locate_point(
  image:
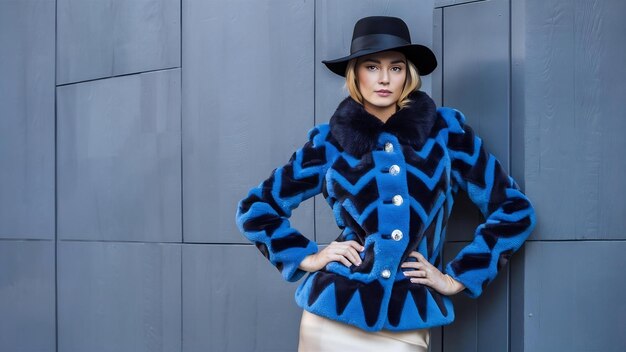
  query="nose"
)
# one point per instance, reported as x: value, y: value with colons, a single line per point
x: 383, y: 77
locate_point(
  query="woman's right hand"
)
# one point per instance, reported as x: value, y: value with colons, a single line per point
x: 346, y: 253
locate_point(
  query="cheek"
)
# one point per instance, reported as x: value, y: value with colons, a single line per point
x: 364, y: 78
x: 400, y: 81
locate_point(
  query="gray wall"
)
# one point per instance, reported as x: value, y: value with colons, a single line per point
x: 569, y: 86
x: 542, y: 82
x: 27, y: 182
x: 129, y: 131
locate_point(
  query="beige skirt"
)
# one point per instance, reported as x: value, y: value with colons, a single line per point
x: 319, y: 334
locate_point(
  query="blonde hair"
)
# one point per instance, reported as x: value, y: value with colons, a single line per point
x: 411, y: 84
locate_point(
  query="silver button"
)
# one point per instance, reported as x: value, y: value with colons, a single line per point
x: 397, y: 200
x: 396, y: 235
x: 388, y: 147
x: 394, y: 170
x: 386, y: 274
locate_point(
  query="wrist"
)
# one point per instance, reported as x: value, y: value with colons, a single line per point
x: 454, y: 285
x: 308, y: 263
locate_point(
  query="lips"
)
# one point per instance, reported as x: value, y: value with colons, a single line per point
x: 383, y: 93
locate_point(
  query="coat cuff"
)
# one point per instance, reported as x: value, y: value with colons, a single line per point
x: 290, y: 267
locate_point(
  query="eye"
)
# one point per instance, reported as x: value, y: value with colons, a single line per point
x: 371, y: 67
x: 396, y: 68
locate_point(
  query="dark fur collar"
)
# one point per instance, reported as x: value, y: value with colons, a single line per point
x: 357, y: 130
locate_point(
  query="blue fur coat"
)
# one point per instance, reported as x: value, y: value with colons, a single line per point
x: 391, y: 187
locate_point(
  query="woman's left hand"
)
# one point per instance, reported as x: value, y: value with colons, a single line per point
x: 427, y: 274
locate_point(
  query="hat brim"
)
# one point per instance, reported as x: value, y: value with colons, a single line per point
x: 421, y: 56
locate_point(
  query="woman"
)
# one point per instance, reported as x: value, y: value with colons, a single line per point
x: 389, y: 164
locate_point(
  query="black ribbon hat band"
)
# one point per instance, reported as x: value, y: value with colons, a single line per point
x: 381, y: 33
x: 373, y: 41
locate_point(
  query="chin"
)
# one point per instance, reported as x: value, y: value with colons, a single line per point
x: 384, y: 104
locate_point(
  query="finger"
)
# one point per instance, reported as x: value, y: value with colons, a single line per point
x: 355, y: 245
x: 354, y: 256
x: 410, y: 265
x: 350, y: 254
x: 422, y: 281
x: 418, y: 256
x: 415, y: 273
x: 336, y: 248
x: 339, y: 247
x: 343, y: 260
x: 415, y: 265
x: 350, y: 250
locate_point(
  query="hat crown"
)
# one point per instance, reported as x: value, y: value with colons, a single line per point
x: 381, y: 25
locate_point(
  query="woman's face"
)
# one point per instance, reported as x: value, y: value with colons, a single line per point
x: 380, y: 79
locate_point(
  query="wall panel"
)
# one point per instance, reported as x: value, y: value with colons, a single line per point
x: 121, y: 297
x: 573, y: 297
x: 27, y: 296
x: 575, y: 74
x: 118, y: 150
x: 105, y: 38
x: 477, y: 61
x: 27, y: 119
x: 235, y: 300
x: 476, y: 81
x: 247, y: 106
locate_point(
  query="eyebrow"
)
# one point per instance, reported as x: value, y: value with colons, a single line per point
x: 378, y: 62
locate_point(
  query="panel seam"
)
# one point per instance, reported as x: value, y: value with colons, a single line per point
x: 56, y: 198
x: 117, y: 76
x: 182, y: 223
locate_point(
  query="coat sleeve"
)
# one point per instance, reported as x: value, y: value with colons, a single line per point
x: 509, y: 215
x: 263, y: 216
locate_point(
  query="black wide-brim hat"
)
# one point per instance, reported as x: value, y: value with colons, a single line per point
x: 381, y: 33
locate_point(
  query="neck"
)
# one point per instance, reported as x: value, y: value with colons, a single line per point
x: 382, y: 113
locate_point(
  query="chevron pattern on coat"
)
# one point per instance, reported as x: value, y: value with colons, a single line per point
x: 264, y: 214
x: 391, y: 187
